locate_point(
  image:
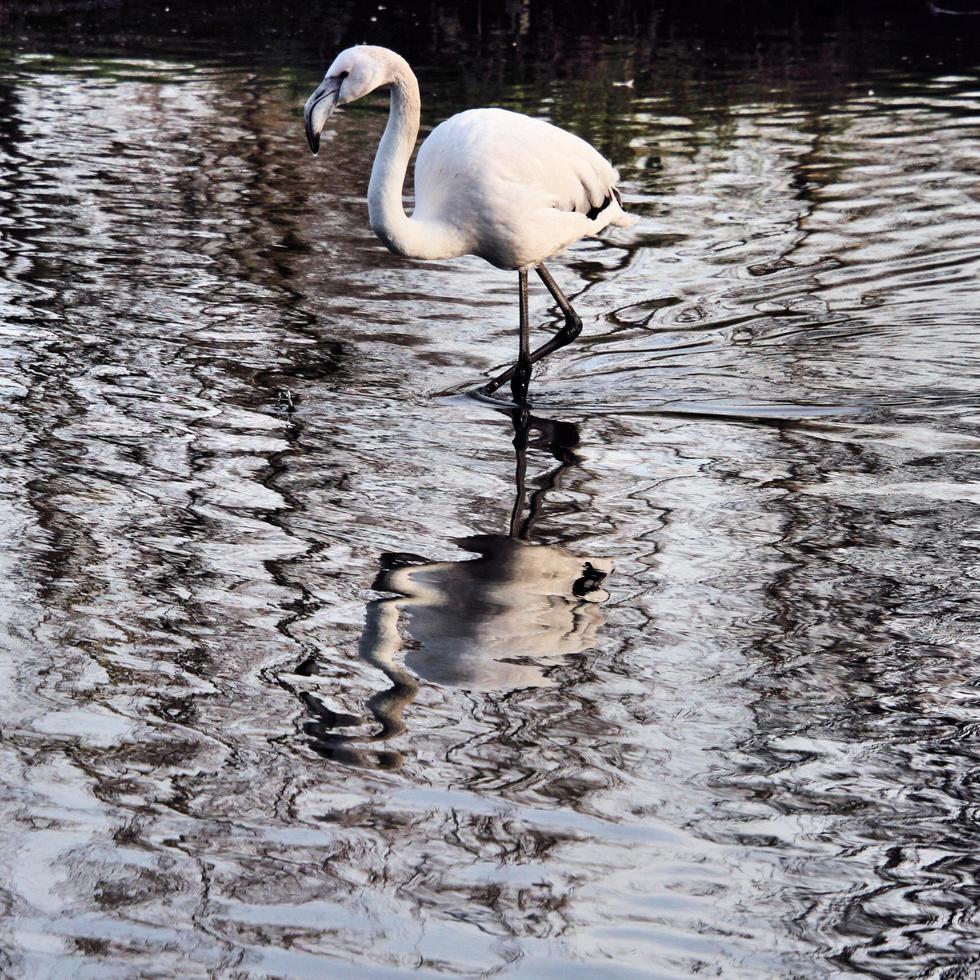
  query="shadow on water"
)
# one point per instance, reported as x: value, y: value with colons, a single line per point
x: 496, y: 622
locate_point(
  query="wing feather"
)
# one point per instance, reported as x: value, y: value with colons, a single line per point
x: 506, y: 175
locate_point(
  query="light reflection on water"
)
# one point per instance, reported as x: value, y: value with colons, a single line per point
x: 224, y: 750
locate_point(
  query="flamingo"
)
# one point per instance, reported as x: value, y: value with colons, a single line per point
x: 489, y: 182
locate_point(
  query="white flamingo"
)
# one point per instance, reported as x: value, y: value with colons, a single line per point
x: 489, y: 182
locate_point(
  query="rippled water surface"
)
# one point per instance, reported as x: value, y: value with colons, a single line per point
x: 280, y: 694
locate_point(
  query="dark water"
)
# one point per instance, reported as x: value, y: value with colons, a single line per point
x: 280, y: 696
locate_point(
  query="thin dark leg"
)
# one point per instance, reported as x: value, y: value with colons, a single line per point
x: 560, y: 298
x: 521, y: 371
x: 572, y: 328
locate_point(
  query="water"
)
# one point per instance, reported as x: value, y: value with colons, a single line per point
x: 282, y: 697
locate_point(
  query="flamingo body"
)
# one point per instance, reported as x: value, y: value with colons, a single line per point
x: 517, y: 189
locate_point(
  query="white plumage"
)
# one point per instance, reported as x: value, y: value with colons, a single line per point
x: 501, y: 185
x: 518, y: 189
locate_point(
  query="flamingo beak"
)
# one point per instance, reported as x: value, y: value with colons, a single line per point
x: 318, y: 109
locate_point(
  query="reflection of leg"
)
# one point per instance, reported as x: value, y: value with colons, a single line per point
x: 522, y: 420
x: 550, y: 481
x: 571, y: 329
x: 560, y: 440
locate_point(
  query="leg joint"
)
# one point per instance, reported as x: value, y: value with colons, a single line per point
x: 573, y: 326
x: 521, y: 380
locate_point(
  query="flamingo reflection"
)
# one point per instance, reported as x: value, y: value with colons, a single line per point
x: 494, y: 622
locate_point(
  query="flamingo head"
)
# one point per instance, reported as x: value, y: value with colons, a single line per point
x: 353, y: 74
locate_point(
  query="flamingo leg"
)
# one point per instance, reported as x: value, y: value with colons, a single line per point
x: 521, y: 371
x: 571, y: 329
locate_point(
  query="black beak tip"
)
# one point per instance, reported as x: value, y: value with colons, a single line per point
x: 313, y: 139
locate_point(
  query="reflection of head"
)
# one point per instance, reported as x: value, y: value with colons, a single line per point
x: 495, y: 621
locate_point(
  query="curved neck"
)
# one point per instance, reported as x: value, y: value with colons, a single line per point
x: 388, y: 218
x: 407, y: 236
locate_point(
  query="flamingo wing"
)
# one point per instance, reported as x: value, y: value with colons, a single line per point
x: 521, y: 188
